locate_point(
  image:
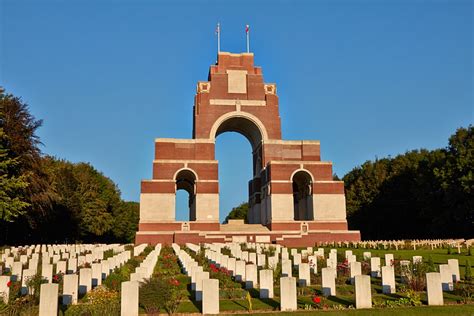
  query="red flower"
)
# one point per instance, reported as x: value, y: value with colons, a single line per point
x: 9, y: 283
x: 174, y: 282
x: 316, y: 299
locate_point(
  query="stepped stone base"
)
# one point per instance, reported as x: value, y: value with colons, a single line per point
x: 236, y: 231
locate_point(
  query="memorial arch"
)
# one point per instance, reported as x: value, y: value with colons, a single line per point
x: 293, y: 199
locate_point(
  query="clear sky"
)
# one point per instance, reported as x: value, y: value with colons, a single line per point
x: 367, y: 78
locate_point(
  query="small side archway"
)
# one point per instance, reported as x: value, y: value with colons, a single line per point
x: 185, y: 179
x: 302, y: 195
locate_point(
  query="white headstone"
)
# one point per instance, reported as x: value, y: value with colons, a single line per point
x: 47, y: 272
x: 388, y: 279
x: 70, y: 289
x: 210, y: 297
x: 304, y: 276
x: 201, y: 279
x: 288, y: 294
x: 434, y: 289
x: 286, y: 268
x: 454, y: 264
x: 251, y: 277
x: 266, y: 283
x: 446, y: 277
x: 85, y: 280
x: 356, y: 269
x: 363, y: 291
x: 48, y: 299
x: 4, y: 288
x: 375, y: 267
x: 129, y: 299
x: 328, y: 281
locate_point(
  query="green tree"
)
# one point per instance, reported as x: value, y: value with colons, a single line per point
x: 239, y: 212
x: 22, y: 145
x: 11, y: 203
x: 126, y: 221
x: 394, y: 197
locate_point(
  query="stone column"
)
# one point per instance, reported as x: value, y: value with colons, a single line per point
x: 434, y: 288
x: 328, y: 281
x: 251, y: 278
x: 363, y: 291
x: 48, y: 299
x: 70, y: 286
x: 288, y: 294
x: 304, y: 277
x: 210, y: 297
x: 266, y: 283
x: 129, y: 299
x: 388, y: 280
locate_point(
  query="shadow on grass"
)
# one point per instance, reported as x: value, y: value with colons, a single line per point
x: 341, y: 301
x: 270, y: 302
x: 197, y: 304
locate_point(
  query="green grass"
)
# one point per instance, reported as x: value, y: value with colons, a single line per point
x: 439, y: 256
x: 458, y: 310
x: 272, y: 305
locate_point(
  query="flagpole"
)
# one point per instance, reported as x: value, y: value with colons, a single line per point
x: 248, y: 38
x: 218, y: 38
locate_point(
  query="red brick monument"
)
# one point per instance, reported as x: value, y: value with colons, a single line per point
x: 293, y: 199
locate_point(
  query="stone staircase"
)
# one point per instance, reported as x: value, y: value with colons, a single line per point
x: 238, y: 225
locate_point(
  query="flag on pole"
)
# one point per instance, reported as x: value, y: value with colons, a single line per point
x: 247, y: 29
x: 218, y: 29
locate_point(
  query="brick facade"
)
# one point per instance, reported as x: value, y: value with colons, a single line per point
x: 291, y: 185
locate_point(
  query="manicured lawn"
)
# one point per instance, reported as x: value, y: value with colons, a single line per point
x: 458, y: 310
x: 439, y: 256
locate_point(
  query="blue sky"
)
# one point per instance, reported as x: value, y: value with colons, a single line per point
x: 366, y: 78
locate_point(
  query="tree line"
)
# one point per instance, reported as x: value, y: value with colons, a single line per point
x: 419, y: 194
x: 44, y: 199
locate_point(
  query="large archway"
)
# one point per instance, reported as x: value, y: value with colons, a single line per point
x: 241, y: 190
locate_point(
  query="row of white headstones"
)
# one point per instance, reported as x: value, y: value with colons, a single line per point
x: 70, y: 261
x: 248, y: 267
x: 404, y: 244
x: 245, y: 266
